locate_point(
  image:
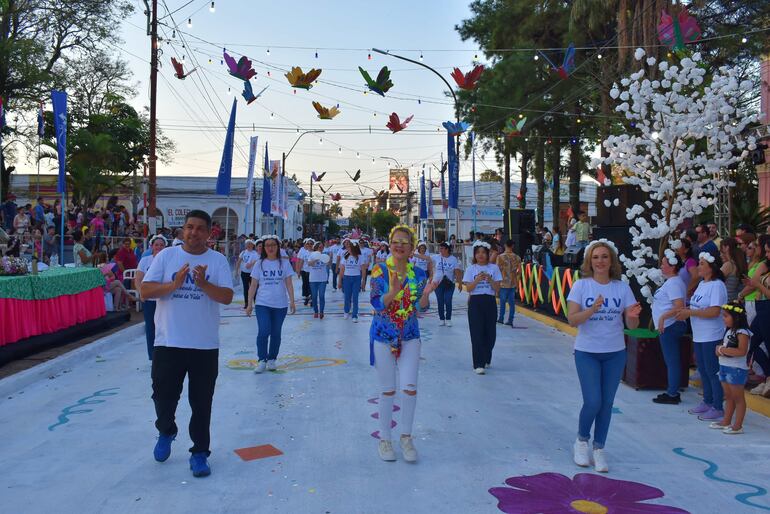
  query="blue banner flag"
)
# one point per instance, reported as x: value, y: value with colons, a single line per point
x: 59, y: 101
x: 453, y: 172
x: 40, y: 121
x: 430, y: 194
x: 226, y: 166
x: 266, y: 196
x: 423, y: 204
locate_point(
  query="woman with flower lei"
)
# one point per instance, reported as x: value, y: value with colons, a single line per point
x: 597, y: 304
x: 398, y: 290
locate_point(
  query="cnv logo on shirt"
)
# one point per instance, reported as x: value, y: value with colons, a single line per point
x: 189, y: 278
x: 272, y: 273
x: 617, y: 302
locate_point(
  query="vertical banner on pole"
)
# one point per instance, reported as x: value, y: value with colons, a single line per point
x: 266, y: 193
x: 59, y: 102
x: 453, y: 172
x: 250, y: 179
x: 226, y: 166
x: 423, y: 202
x: 430, y: 194
x: 285, y: 197
x: 277, y: 194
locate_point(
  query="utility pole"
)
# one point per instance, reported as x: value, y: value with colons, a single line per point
x: 153, y: 102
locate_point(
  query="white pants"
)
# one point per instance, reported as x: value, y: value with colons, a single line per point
x: 408, y: 365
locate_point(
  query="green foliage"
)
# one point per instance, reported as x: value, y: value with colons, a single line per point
x: 383, y: 221
x: 361, y: 217
x: 490, y: 176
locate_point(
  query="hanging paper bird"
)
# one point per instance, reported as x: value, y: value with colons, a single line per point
x: 383, y: 82
x: 242, y: 69
x: 675, y: 33
x: 336, y: 197
x: 355, y: 177
x: 512, y: 129
x: 568, y: 66
x: 317, y: 178
x: 470, y: 79
x: 248, y: 92
x: 455, y: 129
x: 324, y: 191
x: 396, y: 125
x: 302, y: 80
x: 326, y: 113
x: 179, y: 69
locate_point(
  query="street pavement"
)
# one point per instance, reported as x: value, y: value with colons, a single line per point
x: 77, y: 433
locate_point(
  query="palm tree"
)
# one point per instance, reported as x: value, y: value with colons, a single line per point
x: 335, y: 210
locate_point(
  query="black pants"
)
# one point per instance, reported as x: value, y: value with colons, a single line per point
x: 305, y: 284
x: 246, y: 279
x: 334, y: 277
x: 482, y: 316
x: 760, y: 329
x: 169, y: 367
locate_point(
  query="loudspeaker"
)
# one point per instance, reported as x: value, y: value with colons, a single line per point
x: 522, y: 243
x: 615, y: 215
x: 517, y: 221
x: 573, y: 256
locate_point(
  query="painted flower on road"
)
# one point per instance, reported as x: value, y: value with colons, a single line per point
x: 551, y: 493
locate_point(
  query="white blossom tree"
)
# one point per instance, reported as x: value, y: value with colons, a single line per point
x: 685, y: 133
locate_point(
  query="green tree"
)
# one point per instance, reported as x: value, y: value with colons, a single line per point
x: 490, y: 176
x: 334, y: 210
x: 383, y: 222
x: 361, y: 217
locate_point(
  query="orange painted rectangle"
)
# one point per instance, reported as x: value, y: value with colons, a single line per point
x: 258, y: 452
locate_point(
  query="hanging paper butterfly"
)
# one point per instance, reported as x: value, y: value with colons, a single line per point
x: 675, y: 33
x: 455, y: 129
x: 317, y: 178
x: 302, y: 80
x: 567, y: 66
x: 336, y: 197
x: 242, y: 69
x: 355, y: 177
x: 383, y: 82
x: 470, y: 79
x: 324, y: 191
x: 325, y: 113
x: 396, y: 125
x: 512, y: 129
x: 179, y: 69
x: 248, y: 92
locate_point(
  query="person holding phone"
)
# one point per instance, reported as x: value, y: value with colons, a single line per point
x: 482, y: 281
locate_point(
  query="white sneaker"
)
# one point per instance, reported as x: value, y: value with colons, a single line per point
x: 408, y: 449
x: 760, y: 389
x: 271, y: 365
x: 386, y: 451
x: 582, y: 454
x: 449, y: 322
x: 346, y: 316
x: 487, y: 366
x: 441, y: 323
x: 355, y: 320
x: 600, y: 460
x: 261, y: 365
x: 479, y: 371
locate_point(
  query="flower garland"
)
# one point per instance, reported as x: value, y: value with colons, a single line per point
x: 402, y: 307
x: 13, y: 266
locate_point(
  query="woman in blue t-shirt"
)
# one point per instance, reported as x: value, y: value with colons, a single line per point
x: 597, y: 304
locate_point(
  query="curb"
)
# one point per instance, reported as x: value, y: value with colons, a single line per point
x: 23, y: 379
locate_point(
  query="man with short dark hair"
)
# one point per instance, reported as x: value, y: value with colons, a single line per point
x: 705, y: 244
x: 714, y: 235
x: 189, y: 282
x: 49, y: 243
x: 509, y: 263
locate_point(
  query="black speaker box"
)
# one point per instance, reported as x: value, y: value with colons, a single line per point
x: 517, y: 221
x: 573, y: 256
x: 615, y: 216
x: 522, y: 243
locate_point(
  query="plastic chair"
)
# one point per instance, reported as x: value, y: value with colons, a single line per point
x: 130, y: 274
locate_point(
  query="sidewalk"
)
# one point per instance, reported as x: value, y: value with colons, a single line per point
x: 80, y: 438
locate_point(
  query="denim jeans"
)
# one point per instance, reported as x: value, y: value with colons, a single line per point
x: 334, y: 277
x: 270, y: 322
x: 148, y: 308
x: 599, y: 375
x: 444, y: 300
x: 669, y: 345
x: 351, y: 286
x: 318, y: 296
x: 507, y: 296
x: 708, y: 367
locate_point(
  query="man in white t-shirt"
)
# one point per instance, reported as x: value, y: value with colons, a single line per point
x: 303, y: 270
x: 367, y: 257
x: 189, y: 281
x: 333, y: 250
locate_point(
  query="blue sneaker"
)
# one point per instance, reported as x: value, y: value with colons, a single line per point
x: 199, y: 465
x: 163, y: 447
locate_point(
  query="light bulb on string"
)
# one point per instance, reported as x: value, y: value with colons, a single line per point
x: 316, y: 54
x: 221, y: 61
x: 268, y: 51
x: 183, y: 59
x: 744, y: 40
x: 375, y: 114
x: 189, y: 23
x: 173, y: 34
x: 654, y: 135
x: 421, y: 57
x: 228, y: 91
x: 573, y: 141
x: 598, y: 56
x: 369, y: 56
x: 419, y: 101
x: 320, y: 141
x: 339, y: 151
x: 209, y: 60
x: 211, y: 7
x: 537, y: 57
x: 358, y: 155
x: 372, y: 160
x: 272, y: 115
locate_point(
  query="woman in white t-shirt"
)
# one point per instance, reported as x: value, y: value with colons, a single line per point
x: 318, y: 263
x: 157, y: 243
x: 422, y: 259
x: 271, y: 282
x: 446, y: 273
x: 597, y: 304
x: 383, y: 253
x: 352, y: 278
x: 244, y: 264
x: 667, y: 301
x: 482, y: 281
x: 708, y: 329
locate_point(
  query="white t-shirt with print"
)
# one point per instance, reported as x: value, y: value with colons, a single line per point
x: 319, y: 271
x: 734, y: 362
x: 708, y: 294
x: 272, y: 275
x: 444, y: 267
x: 366, y: 257
x: 188, y: 318
x: 663, y: 299
x: 143, y: 266
x: 352, y: 265
x: 603, y: 331
x: 303, y: 254
x: 331, y: 251
x: 421, y: 263
x: 382, y: 255
x: 483, y: 287
x: 246, y: 257
x: 340, y: 255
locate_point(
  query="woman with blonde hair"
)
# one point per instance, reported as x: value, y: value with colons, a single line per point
x: 598, y: 302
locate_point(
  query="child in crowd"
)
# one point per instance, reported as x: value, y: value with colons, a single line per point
x: 733, y: 370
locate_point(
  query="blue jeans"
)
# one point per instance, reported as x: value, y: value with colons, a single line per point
x: 334, y: 277
x: 507, y: 296
x: 444, y: 300
x: 351, y: 286
x: 269, y: 322
x: 669, y: 345
x: 599, y: 375
x: 318, y: 296
x: 708, y: 367
x: 148, y: 308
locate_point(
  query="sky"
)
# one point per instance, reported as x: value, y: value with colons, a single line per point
x: 194, y: 111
